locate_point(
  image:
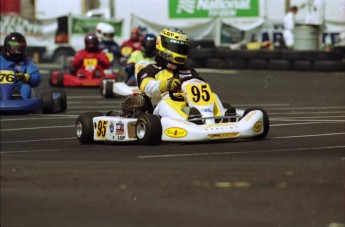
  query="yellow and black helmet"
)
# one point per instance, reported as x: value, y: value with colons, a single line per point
x: 172, y: 45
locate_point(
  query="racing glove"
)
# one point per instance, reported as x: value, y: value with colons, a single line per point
x: 24, y: 77
x: 170, y: 85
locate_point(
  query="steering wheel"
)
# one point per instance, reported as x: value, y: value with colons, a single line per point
x: 174, y: 97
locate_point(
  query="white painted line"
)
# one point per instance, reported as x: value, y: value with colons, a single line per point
x: 217, y: 71
x: 292, y: 108
x: 238, y: 153
x: 303, y: 136
x: 41, y: 140
x: 34, y: 128
x: 33, y: 151
x: 324, y: 112
x: 41, y: 118
x: 306, y: 123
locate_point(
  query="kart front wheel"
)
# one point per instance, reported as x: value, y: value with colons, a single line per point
x: 84, y: 127
x: 148, y: 129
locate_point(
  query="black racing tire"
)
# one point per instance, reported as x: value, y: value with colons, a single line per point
x: 84, y: 127
x: 215, y: 63
x: 302, y: 65
x: 258, y: 64
x: 109, y: 90
x: 148, y: 129
x: 50, y: 80
x: 266, y: 122
x: 60, y: 79
x: 329, y: 66
x: 63, y: 101
x: 47, y: 103
x: 280, y: 64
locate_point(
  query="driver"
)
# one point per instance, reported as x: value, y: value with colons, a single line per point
x: 147, y: 53
x: 13, y: 58
x: 156, y: 79
x: 91, y: 51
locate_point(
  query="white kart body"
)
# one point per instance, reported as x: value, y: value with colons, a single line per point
x: 120, y: 129
x: 173, y: 121
x: 121, y: 88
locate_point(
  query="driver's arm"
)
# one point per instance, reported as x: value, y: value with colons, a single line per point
x: 33, y: 71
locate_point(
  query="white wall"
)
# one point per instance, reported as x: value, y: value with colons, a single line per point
x: 46, y: 9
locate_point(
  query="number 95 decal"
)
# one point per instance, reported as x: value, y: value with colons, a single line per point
x: 200, y: 94
x: 101, y: 129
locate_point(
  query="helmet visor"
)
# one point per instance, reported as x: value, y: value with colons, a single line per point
x: 176, y: 46
x: 15, y: 47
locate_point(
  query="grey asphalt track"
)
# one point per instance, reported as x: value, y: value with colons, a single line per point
x: 294, y: 177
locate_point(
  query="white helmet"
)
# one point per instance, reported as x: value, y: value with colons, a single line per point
x: 108, y: 32
x: 99, y: 29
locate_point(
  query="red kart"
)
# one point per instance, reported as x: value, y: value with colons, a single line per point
x: 90, y: 76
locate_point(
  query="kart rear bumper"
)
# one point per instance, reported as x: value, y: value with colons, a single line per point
x: 34, y: 104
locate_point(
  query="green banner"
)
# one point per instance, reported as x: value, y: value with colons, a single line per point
x: 213, y: 8
x: 83, y: 25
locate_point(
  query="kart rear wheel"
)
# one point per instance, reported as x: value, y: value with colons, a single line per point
x: 266, y: 122
x: 109, y: 90
x: 149, y: 129
x: 60, y: 79
x: 63, y: 101
x: 48, y: 103
x: 84, y: 127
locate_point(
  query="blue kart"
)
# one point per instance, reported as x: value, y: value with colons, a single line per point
x: 12, y: 102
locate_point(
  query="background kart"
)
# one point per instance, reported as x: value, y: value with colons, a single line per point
x: 111, y: 88
x: 88, y: 77
x: 11, y: 102
x: 150, y: 129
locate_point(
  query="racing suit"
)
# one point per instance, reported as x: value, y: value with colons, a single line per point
x: 102, y: 60
x: 150, y: 77
x: 27, y: 67
x: 134, y: 58
x: 112, y: 50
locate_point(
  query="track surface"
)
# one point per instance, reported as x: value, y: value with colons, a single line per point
x: 294, y: 177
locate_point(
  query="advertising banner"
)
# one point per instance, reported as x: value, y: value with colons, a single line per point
x: 83, y: 25
x: 213, y: 8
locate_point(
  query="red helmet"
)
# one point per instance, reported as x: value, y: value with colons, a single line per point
x: 91, y: 42
x: 135, y: 34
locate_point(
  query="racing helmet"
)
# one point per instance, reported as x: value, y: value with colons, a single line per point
x: 99, y: 28
x: 135, y: 35
x: 172, y: 45
x: 148, y: 45
x: 108, y: 33
x: 91, y: 42
x: 14, y: 47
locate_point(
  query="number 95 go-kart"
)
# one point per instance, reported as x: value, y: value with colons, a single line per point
x: 195, y: 114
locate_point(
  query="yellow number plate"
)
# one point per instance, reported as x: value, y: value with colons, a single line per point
x: 6, y: 77
x: 90, y: 62
x: 199, y: 94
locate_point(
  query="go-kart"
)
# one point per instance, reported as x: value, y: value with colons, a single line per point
x: 12, y: 102
x: 212, y: 121
x: 91, y: 76
x: 111, y: 88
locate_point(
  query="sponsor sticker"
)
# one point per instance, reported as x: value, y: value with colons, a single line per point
x: 120, y: 128
x: 111, y: 127
x: 175, y: 132
x: 223, y: 135
x: 258, y: 126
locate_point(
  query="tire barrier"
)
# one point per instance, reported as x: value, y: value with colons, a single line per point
x: 204, y: 55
